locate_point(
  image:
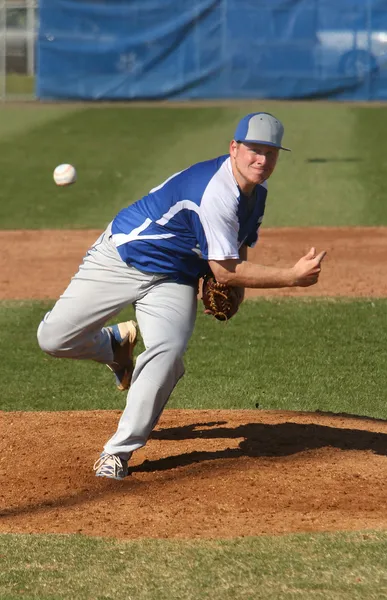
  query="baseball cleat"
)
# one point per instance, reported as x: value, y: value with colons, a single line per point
x: 124, y: 339
x: 111, y: 466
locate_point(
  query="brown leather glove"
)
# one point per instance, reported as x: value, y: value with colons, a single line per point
x: 220, y: 300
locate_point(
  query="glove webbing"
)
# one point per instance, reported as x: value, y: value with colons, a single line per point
x: 225, y: 304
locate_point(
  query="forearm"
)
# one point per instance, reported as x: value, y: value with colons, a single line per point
x: 242, y: 273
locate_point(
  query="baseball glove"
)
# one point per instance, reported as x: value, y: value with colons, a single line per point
x: 219, y: 299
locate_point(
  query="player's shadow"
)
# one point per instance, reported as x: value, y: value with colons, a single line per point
x: 256, y: 440
x: 262, y: 440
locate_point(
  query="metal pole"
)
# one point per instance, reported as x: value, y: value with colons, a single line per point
x: 3, y: 49
x: 30, y: 33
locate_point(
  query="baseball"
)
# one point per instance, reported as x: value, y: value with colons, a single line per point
x: 64, y: 175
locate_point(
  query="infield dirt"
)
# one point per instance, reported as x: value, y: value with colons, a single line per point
x: 203, y: 473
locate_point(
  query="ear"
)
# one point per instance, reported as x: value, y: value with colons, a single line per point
x: 233, y: 147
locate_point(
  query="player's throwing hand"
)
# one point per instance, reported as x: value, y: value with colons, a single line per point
x: 307, y: 270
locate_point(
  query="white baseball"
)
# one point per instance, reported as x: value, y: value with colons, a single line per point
x: 64, y: 174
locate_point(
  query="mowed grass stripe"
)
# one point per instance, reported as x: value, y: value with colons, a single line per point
x: 336, y: 166
x: 370, y: 134
x: 18, y: 121
x: 342, y: 566
x: 275, y: 354
x: 119, y: 155
x: 317, y: 184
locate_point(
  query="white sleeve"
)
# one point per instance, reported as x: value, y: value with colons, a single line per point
x: 218, y: 216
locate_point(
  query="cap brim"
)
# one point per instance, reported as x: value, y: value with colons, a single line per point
x: 263, y: 143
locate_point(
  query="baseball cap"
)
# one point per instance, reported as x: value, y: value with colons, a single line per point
x: 260, y: 128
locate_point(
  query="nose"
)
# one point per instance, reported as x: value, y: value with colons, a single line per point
x: 262, y: 159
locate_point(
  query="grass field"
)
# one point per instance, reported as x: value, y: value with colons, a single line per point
x: 334, y: 176
x: 20, y: 86
x: 259, y: 358
x: 324, y: 566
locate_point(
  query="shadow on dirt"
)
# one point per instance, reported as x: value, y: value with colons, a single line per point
x: 256, y: 440
x: 263, y: 440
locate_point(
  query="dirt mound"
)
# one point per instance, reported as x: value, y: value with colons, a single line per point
x: 39, y: 264
x: 202, y: 474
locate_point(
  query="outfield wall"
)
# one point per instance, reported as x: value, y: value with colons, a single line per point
x: 163, y: 49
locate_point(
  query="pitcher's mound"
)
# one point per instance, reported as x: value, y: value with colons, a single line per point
x: 202, y: 474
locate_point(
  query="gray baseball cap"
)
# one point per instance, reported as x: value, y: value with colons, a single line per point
x: 260, y: 128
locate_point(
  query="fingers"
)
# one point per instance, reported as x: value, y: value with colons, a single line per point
x: 317, y: 262
x: 308, y: 268
x: 311, y: 253
x: 313, y: 267
x: 310, y: 279
x: 320, y: 257
x: 312, y: 256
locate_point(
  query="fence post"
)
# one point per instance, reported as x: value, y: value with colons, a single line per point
x: 30, y: 34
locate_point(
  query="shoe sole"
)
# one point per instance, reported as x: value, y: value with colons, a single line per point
x: 128, y: 331
x: 111, y: 477
x: 129, y: 328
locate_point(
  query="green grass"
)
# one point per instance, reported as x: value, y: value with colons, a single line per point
x: 344, y: 566
x: 16, y: 122
x: 279, y: 354
x: 20, y: 85
x: 334, y: 176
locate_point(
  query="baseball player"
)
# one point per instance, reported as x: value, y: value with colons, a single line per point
x: 152, y: 255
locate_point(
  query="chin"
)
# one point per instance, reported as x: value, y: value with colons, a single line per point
x: 258, y: 180
x: 258, y: 177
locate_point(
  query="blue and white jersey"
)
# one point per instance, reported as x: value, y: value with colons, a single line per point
x: 196, y: 215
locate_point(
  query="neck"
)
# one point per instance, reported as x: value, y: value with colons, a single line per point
x: 249, y: 190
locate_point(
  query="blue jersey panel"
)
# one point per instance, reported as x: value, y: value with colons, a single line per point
x: 177, y: 225
x: 250, y: 215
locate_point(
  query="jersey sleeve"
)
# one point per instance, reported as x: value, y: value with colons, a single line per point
x: 218, y: 238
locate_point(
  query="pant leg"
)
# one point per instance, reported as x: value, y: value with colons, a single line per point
x: 166, y: 316
x: 103, y: 286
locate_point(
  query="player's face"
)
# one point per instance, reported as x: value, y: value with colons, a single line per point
x: 252, y: 163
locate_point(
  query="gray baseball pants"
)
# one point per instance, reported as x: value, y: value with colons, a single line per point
x: 165, y: 312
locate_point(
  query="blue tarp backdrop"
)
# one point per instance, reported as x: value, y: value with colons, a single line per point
x: 193, y: 49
